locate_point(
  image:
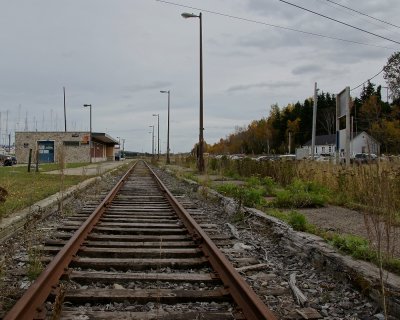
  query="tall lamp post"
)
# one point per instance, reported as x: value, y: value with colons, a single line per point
x: 152, y: 141
x: 119, y: 148
x: 123, y: 148
x: 158, y: 134
x: 90, y: 134
x: 201, y: 138
x: 167, y: 91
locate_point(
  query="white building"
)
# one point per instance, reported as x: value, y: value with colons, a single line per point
x: 324, y: 145
x: 360, y: 143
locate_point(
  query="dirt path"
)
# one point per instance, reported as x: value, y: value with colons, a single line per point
x: 345, y: 221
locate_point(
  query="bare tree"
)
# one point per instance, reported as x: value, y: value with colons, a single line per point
x: 327, y: 120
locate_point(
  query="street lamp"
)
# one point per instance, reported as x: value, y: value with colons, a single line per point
x: 90, y: 135
x: 167, y: 91
x: 123, y: 148
x: 152, y: 141
x: 119, y: 148
x: 158, y: 135
x: 201, y: 139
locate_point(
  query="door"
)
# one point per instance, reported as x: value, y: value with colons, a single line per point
x: 46, y: 151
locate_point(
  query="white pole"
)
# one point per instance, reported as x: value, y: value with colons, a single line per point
x: 314, y: 123
x: 347, y: 145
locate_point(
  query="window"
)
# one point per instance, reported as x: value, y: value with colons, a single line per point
x: 71, y: 143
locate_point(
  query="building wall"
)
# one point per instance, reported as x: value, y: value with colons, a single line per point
x: 75, y: 145
x: 363, y: 143
x: 325, y: 149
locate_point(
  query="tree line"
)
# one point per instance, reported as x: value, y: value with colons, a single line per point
x: 371, y: 112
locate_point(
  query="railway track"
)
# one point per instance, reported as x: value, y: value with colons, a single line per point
x: 138, y: 255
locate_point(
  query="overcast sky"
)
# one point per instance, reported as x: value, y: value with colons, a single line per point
x: 118, y: 54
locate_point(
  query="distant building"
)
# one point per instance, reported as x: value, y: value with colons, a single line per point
x: 361, y: 143
x: 325, y: 144
x: 74, y: 145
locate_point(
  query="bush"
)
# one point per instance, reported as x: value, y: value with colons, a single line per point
x: 228, y: 189
x: 297, y: 221
x: 300, y: 194
x: 253, y: 196
x: 355, y: 246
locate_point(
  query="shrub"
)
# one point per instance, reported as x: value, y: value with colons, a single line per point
x: 356, y: 246
x: 300, y: 194
x: 253, y: 196
x: 297, y: 221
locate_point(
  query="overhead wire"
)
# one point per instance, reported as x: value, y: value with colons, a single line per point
x: 338, y: 21
x: 274, y: 25
x: 363, y: 18
x: 280, y: 27
x: 364, y: 14
x: 367, y: 80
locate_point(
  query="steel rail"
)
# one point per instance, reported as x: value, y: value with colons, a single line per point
x: 249, y: 303
x: 30, y: 306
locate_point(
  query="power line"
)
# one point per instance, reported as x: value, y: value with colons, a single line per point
x: 367, y: 80
x: 274, y: 25
x: 338, y: 21
x: 366, y: 19
x: 364, y: 14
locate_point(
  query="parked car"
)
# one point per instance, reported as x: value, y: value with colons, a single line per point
x: 360, y: 158
x: 7, y: 161
x: 266, y: 158
x: 287, y: 157
x: 323, y: 159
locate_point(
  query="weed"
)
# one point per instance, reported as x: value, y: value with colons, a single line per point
x: 355, y: 246
x: 35, y: 266
x: 238, y: 217
x: 297, y: 221
x: 300, y: 194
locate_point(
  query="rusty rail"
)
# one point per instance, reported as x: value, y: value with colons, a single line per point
x: 249, y: 303
x: 30, y: 306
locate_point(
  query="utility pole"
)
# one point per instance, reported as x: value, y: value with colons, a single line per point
x: 314, y: 123
x: 65, y: 113
x: 290, y: 136
x: 152, y: 141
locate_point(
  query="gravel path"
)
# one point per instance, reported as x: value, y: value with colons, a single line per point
x: 347, y: 221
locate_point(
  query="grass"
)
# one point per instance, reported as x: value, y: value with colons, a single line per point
x: 355, y: 246
x: 301, y: 194
x: 25, y: 188
x: 374, y: 188
x: 250, y: 194
x: 45, y: 167
x: 35, y: 266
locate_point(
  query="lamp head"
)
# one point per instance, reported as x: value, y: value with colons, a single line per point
x: 189, y: 15
x: 87, y: 105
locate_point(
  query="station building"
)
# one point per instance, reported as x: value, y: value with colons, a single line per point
x: 73, y: 146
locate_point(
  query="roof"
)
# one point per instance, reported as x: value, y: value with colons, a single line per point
x: 371, y: 137
x: 327, y: 139
x: 330, y: 139
x: 104, y: 138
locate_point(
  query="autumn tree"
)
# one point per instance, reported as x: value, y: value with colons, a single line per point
x: 391, y: 73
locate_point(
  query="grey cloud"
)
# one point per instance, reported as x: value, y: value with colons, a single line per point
x: 148, y: 86
x: 311, y: 68
x: 274, y: 85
